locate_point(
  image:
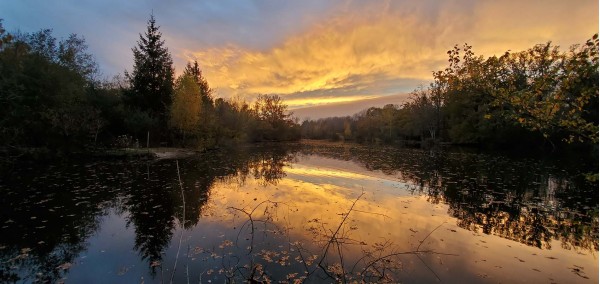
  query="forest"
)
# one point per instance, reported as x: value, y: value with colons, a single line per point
x: 52, y: 98
x: 540, y: 97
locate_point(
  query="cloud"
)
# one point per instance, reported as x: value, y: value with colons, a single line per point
x: 366, y: 49
x: 518, y: 25
x: 334, y: 55
x: 347, y: 108
x: 311, y: 52
x: 315, y: 100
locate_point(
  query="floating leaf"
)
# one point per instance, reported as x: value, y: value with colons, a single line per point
x: 64, y: 266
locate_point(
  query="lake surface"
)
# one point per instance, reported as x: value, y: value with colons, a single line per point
x: 301, y: 212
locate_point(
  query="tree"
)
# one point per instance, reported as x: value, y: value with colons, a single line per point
x: 42, y: 43
x: 45, y: 92
x: 552, y: 92
x: 347, y: 129
x: 275, y: 122
x: 270, y: 108
x: 208, y: 128
x: 72, y: 54
x: 187, y: 105
x: 422, y: 114
x: 464, y: 95
x: 5, y: 38
x: 370, y: 125
x: 205, y: 91
x: 389, y: 116
x: 152, y: 76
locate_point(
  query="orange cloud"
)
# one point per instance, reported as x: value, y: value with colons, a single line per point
x: 518, y: 25
x: 361, y: 46
x: 302, y: 102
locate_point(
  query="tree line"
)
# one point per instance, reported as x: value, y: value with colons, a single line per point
x: 540, y: 96
x: 51, y: 98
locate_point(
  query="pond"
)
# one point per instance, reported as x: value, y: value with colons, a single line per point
x: 300, y: 213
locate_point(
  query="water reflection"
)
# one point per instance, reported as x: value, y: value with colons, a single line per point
x: 259, y: 213
x: 49, y: 211
x: 522, y: 200
x: 44, y: 222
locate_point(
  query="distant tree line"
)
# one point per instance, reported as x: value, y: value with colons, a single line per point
x: 51, y: 98
x: 540, y: 96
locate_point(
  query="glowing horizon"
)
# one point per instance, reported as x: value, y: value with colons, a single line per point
x: 313, y: 53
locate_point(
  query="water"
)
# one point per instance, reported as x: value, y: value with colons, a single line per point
x: 315, y: 213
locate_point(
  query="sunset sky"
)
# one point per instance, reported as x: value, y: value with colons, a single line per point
x: 323, y: 57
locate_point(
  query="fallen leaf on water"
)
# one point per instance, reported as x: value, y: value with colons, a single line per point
x: 64, y: 266
x: 123, y: 270
x: 226, y: 243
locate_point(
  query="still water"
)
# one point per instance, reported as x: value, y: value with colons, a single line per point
x: 293, y: 213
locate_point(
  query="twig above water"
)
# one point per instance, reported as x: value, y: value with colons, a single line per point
x: 182, y: 223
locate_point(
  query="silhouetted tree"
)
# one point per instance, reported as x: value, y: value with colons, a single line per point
x: 152, y: 76
x: 274, y: 119
x: 44, y: 92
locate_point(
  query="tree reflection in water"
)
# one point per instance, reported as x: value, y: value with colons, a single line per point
x: 50, y: 211
x: 521, y: 200
x: 156, y: 208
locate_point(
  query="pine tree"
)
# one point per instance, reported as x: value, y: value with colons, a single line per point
x: 205, y: 91
x: 152, y: 76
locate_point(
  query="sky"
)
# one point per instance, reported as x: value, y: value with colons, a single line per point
x: 323, y: 58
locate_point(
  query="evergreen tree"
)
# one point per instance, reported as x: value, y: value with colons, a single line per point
x: 152, y: 76
x: 205, y: 91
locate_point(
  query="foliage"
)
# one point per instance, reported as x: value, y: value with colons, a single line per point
x: 152, y: 76
x: 524, y: 98
x: 72, y: 54
x: 51, y: 97
x: 328, y: 128
x: 274, y: 122
x: 205, y: 91
x: 186, y: 107
x: 552, y: 92
x: 44, y: 87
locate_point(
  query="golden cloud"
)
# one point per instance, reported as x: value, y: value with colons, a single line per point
x: 360, y: 48
x: 325, y: 58
x: 309, y: 101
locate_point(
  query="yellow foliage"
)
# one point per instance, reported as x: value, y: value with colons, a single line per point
x: 187, y: 105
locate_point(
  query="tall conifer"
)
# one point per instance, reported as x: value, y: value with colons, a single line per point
x: 152, y: 76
